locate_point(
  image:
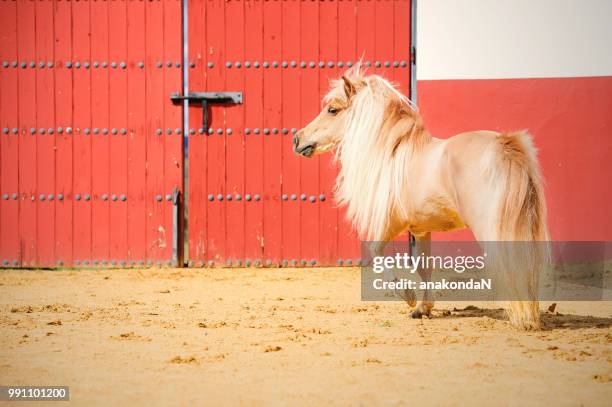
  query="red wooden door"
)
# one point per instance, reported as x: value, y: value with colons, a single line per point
x: 90, y: 143
x: 251, y: 200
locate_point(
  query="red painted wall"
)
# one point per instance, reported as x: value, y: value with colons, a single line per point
x: 571, y: 122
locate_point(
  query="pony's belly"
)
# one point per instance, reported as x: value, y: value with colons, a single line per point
x: 444, y: 220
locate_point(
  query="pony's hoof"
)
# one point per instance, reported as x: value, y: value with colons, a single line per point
x: 416, y: 314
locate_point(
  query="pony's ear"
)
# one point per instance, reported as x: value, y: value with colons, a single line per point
x: 349, y: 87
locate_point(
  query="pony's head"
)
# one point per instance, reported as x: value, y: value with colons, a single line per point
x: 354, y: 100
x: 326, y: 130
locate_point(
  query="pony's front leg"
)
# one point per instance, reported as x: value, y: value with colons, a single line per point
x: 423, y: 247
x: 377, y: 249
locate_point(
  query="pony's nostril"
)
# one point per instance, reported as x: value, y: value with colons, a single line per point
x: 296, y: 141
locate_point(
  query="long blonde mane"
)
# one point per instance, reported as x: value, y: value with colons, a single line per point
x: 379, y: 134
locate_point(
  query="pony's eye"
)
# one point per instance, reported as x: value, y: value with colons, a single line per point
x: 332, y: 110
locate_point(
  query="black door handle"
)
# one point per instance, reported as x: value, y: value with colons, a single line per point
x: 206, y: 98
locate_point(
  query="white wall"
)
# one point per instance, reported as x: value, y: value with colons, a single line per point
x: 482, y: 39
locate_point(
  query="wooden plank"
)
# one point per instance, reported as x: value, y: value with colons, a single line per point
x: 273, y: 140
x: 118, y: 134
x: 401, y: 45
x: 384, y: 38
x: 309, y: 180
x: 328, y: 214
x: 136, y: 136
x: 26, y: 46
x: 196, y: 162
x: 348, y: 242
x: 366, y: 34
x: 215, y: 34
x: 9, y: 138
x: 253, y: 90
x: 173, y: 152
x: 100, y: 142
x: 45, y: 144
x: 73, y: 98
x: 291, y: 104
x: 156, y: 133
x: 234, y: 33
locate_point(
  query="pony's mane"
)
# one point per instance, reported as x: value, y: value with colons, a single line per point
x: 381, y: 132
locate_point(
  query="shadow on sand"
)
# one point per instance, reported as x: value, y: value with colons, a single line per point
x: 550, y: 321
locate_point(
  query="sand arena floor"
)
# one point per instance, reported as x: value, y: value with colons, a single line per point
x: 286, y: 336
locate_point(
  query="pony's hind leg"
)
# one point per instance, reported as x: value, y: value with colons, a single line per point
x: 423, y: 247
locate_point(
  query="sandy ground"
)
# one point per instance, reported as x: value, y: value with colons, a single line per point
x: 271, y: 336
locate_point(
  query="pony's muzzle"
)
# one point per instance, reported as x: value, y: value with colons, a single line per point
x: 307, y: 150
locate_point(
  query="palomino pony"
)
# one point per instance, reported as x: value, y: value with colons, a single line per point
x: 396, y: 177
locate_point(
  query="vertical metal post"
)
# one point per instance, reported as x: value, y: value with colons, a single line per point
x: 413, y: 77
x: 185, y: 194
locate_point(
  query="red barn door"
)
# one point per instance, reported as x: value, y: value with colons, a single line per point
x: 90, y: 143
x: 251, y: 200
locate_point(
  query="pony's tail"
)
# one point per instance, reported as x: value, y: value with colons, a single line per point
x: 522, y: 219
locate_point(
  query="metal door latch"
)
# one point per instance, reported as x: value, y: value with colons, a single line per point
x: 206, y: 98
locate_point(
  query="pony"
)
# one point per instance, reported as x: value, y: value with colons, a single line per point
x: 395, y: 177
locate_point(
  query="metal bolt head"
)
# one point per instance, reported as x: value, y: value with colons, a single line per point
x: 395, y: 64
x: 256, y: 64
x: 403, y: 63
x: 229, y: 132
x: 123, y: 65
x: 228, y: 64
x: 96, y: 64
x: 293, y: 130
x: 141, y: 64
x: 77, y: 197
x: 219, y: 197
x: 158, y: 198
x: 257, y: 197
x: 238, y: 197
x: 285, y: 130
x: 321, y: 197
x: 50, y: 197
x: 211, y: 263
x: 312, y: 64
x: 210, y: 64
x: 349, y: 64
x: 69, y: 130
x: 15, y: 196
x: 68, y: 64
x: 123, y: 197
x: 330, y: 64
x: 284, y: 197
x: 104, y: 64
x: 114, y: 130
x: 5, y: 64
x: 60, y: 130
x: 114, y: 197
x: 211, y: 131
x: 105, y: 131
x: 247, y: 131
x: 168, y: 197
x: 178, y: 131
x: 293, y: 197
x: 321, y: 64
x: 41, y: 64
x: 201, y: 130
x: 211, y: 197
x: 378, y: 64
x: 340, y: 64
x: 5, y: 130
x: 77, y: 64
x: 256, y: 131
x: 32, y: 64
x: 42, y: 130
x: 266, y: 64
x: 304, y: 262
x: 5, y: 197
x: 86, y: 131
x: 247, y: 64
x: 274, y: 131
x: 237, y: 64
x: 177, y: 64
x: 312, y: 198
x: 266, y: 131
x: 87, y: 197
x: 303, y: 197
x: 303, y: 64
x: 60, y: 197
x: 104, y: 197
x: 219, y: 131
x: 41, y: 197
x: 168, y: 131
x: 32, y: 130
x: 158, y: 132
x: 123, y: 131
x: 247, y: 197
x: 159, y: 64
x: 285, y: 64
x: 192, y: 131
x: 15, y: 130
x: 387, y: 64
x: 229, y: 197
x: 96, y: 130
x: 339, y: 262
x: 293, y: 64
x: 113, y: 64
